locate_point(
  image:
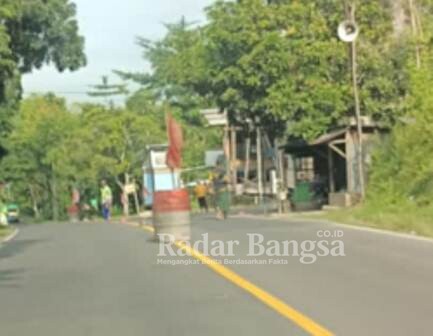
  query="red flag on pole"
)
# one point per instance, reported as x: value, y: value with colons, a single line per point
x: 175, y: 138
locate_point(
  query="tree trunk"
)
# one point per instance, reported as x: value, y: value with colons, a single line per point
x: 399, y: 17
x: 34, y: 202
x: 125, y: 198
x: 54, y: 197
x: 416, y: 33
x: 137, y: 203
x: 233, y: 159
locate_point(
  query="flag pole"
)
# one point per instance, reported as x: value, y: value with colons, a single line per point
x: 167, y: 125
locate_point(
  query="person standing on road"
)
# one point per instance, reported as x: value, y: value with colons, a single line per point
x: 3, y: 213
x: 3, y: 206
x: 75, y: 208
x: 221, y: 186
x: 200, y: 191
x: 106, y: 200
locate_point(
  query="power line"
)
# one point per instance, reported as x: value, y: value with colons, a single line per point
x: 57, y: 92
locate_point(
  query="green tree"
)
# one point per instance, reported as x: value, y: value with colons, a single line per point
x: 402, y: 169
x: 111, y: 144
x: 36, y: 154
x: 52, y: 149
x: 176, y: 83
x: 45, y: 31
x: 34, y: 33
x: 176, y: 78
x: 284, y: 64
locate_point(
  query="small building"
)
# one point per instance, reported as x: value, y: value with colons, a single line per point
x: 332, y: 160
x: 241, y: 152
x: 330, y: 163
x: 157, y: 175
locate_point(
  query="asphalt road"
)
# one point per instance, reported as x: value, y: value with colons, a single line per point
x: 104, y: 279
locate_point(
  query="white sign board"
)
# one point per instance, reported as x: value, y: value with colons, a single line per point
x: 214, y: 117
x: 212, y: 156
x: 158, y: 159
x: 130, y: 188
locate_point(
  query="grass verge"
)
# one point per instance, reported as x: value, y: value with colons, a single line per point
x: 405, y: 219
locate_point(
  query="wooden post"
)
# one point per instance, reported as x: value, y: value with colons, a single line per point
x: 234, y: 157
x: 137, y: 204
x: 259, y: 165
x: 331, y: 170
x: 280, y: 170
x: 247, y: 160
x: 226, y: 146
x: 350, y: 158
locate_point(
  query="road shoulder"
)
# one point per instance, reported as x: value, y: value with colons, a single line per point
x: 318, y: 218
x: 8, y: 234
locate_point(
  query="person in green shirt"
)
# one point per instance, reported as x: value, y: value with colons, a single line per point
x: 221, y: 187
x: 106, y: 200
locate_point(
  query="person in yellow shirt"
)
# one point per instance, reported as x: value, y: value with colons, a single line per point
x: 200, y: 192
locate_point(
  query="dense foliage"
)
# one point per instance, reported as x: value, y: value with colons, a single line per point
x: 34, y: 33
x: 281, y: 64
x: 403, y: 169
x: 52, y: 149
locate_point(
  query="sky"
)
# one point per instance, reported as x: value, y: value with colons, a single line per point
x: 110, y: 28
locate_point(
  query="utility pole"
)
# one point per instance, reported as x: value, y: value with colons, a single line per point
x: 360, y: 150
x: 348, y: 32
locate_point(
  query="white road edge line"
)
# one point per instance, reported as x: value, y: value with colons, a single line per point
x: 401, y: 235
x: 10, y: 237
x: 382, y: 232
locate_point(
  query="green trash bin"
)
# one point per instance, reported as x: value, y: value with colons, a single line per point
x: 303, y: 198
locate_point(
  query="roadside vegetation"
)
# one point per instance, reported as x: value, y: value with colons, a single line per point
x: 47, y: 146
x: 400, y: 193
x: 278, y: 64
x: 281, y: 65
x: 409, y: 219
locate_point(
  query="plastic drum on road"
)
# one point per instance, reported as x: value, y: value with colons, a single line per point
x: 172, y: 214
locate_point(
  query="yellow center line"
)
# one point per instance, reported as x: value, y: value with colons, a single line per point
x: 268, y: 299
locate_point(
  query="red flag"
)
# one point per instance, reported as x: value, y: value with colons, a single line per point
x: 175, y: 138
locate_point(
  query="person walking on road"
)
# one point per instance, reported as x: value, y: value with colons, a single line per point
x: 106, y: 200
x: 201, y: 191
